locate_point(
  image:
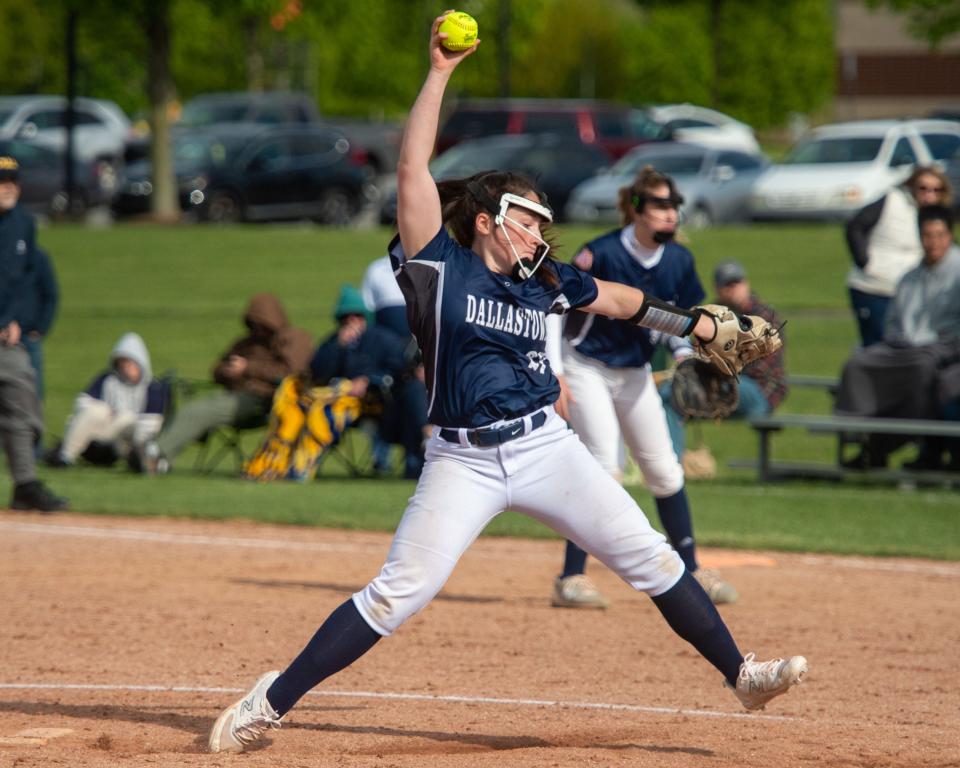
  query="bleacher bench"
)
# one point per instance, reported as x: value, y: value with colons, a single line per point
x: 847, y: 429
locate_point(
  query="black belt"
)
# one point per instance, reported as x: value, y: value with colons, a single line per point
x: 496, y: 435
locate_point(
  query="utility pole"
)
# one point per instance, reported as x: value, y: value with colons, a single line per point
x: 69, y: 116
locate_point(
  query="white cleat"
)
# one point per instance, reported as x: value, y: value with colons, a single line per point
x: 760, y: 681
x: 577, y: 591
x: 244, y: 722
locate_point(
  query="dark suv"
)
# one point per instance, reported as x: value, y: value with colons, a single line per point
x: 604, y: 124
x: 250, y: 172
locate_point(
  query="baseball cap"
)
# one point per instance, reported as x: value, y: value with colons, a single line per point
x: 728, y: 272
x: 9, y: 168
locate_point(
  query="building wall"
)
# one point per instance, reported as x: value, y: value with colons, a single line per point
x: 884, y: 72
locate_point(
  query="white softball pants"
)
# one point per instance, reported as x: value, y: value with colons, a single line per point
x: 547, y: 474
x: 615, y: 401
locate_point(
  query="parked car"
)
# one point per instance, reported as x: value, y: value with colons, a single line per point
x: 380, y: 140
x: 251, y: 172
x: 267, y: 107
x: 556, y: 163
x: 694, y: 125
x: 101, y: 129
x: 715, y: 183
x: 43, y: 187
x: 599, y: 123
x: 837, y: 169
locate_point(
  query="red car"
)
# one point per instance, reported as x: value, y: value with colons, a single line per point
x: 604, y: 124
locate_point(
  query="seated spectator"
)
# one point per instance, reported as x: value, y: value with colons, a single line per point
x: 21, y: 423
x: 914, y: 372
x: 763, y: 384
x: 120, y: 411
x: 884, y: 244
x: 249, y: 372
x: 368, y: 354
x: 383, y: 297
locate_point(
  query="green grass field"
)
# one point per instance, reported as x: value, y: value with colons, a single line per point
x: 184, y: 289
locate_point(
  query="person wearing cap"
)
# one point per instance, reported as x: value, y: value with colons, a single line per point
x: 20, y: 421
x: 373, y: 355
x: 249, y: 372
x: 762, y: 384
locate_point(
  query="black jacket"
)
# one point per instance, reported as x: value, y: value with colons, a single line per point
x: 41, y: 297
x: 17, y: 244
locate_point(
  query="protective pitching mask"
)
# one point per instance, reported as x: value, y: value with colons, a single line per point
x: 525, y: 268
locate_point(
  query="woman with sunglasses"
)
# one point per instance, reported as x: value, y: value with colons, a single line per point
x: 603, y: 365
x: 884, y: 243
x: 477, y: 303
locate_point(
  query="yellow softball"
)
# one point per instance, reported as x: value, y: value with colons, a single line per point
x: 461, y: 30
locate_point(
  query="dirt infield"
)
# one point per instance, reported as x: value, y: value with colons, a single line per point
x: 122, y: 639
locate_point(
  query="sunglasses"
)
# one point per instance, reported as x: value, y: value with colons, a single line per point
x: 925, y: 188
x: 671, y: 203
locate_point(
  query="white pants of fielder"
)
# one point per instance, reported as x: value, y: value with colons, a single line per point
x: 547, y: 474
x: 614, y: 401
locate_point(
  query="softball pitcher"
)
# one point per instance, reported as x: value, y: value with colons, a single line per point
x: 604, y: 370
x: 478, y: 304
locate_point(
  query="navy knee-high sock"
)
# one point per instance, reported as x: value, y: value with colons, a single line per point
x: 343, y: 638
x: 674, y: 514
x: 690, y: 614
x: 574, y: 560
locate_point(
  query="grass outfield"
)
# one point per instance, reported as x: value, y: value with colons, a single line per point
x: 184, y: 289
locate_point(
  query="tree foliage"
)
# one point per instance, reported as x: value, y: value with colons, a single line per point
x: 758, y: 60
x: 930, y: 20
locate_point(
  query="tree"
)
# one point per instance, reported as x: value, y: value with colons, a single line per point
x: 929, y: 20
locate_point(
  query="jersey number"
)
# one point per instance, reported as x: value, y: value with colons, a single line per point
x: 538, y: 361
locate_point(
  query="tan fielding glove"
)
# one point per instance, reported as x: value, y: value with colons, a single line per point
x: 739, y: 340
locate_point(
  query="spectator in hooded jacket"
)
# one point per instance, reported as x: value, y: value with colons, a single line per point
x: 249, y: 372
x: 118, y: 413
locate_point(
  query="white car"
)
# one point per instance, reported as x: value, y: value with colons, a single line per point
x: 715, y: 183
x: 101, y: 129
x: 838, y: 169
x: 691, y: 124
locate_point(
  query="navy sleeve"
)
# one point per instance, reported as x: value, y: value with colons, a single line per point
x: 95, y: 389
x: 326, y: 361
x: 157, y: 397
x: 691, y: 290
x: 577, y: 288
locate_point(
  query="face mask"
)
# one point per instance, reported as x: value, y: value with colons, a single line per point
x: 664, y: 237
x: 524, y: 268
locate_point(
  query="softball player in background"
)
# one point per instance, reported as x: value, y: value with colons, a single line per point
x: 606, y: 379
x: 477, y: 305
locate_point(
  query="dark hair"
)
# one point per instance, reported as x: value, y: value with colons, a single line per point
x: 935, y: 213
x: 633, y: 197
x: 461, y: 200
x: 946, y: 197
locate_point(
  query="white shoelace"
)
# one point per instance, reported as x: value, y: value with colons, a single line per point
x: 762, y: 673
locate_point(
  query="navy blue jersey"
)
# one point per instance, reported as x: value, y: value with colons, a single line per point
x: 672, y: 278
x: 482, y: 335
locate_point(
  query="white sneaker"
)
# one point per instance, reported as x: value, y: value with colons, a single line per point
x: 760, y: 681
x: 718, y: 590
x: 577, y: 591
x: 243, y: 722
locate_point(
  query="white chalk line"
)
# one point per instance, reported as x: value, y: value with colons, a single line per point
x: 426, y: 697
x: 128, y: 534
